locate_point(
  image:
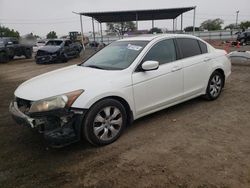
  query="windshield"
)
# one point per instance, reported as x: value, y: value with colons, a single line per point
x: 54, y: 43
x: 116, y: 56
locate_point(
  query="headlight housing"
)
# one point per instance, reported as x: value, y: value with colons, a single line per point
x: 55, y: 103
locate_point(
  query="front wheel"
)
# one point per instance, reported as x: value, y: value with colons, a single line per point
x: 215, y: 85
x: 104, y: 122
x: 242, y: 42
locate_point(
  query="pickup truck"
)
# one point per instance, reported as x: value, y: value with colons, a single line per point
x: 10, y: 47
x: 58, y: 50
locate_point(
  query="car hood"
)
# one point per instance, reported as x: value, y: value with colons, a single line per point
x: 67, y: 80
x: 50, y: 49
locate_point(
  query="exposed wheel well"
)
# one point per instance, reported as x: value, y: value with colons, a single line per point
x: 223, y: 74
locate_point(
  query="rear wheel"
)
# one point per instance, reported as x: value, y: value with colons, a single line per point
x: 64, y: 58
x: 4, y: 58
x: 28, y: 53
x: 104, y: 122
x: 215, y: 85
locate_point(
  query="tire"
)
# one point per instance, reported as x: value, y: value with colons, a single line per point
x: 215, y: 86
x: 242, y: 42
x: 4, y: 58
x: 28, y: 53
x: 104, y: 122
x: 64, y: 58
x: 78, y: 53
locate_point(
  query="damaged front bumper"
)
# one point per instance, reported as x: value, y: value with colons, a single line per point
x: 61, y: 127
x: 46, y: 59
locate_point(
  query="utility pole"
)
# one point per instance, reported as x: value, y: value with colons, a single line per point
x: 237, y: 15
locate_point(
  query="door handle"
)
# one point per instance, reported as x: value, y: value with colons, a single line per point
x: 207, y: 59
x: 176, y: 68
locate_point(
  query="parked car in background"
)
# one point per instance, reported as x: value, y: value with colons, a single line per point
x: 10, y: 47
x: 39, y: 44
x: 58, y: 50
x: 244, y: 37
x: 124, y: 81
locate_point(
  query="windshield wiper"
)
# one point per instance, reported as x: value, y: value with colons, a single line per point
x: 94, y: 66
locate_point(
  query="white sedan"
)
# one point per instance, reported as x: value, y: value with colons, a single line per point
x: 126, y: 80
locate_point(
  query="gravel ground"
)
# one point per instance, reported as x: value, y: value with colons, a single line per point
x: 195, y: 144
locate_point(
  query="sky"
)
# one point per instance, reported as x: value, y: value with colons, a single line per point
x: 42, y: 16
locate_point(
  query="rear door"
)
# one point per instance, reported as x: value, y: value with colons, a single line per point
x: 195, y: 62
x: 157, y: 88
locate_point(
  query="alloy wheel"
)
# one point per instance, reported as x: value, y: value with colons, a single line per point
x: 215, y: 86
x: 107, y: 123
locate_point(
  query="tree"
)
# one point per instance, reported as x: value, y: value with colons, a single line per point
x: 155, y: 30
x: 51, y: 35
x: 230, y: 26
x: 6, y: 32
x: 190, y: 29
x: 121, y: 28
x: 212, y: 24
x: 245, y: 25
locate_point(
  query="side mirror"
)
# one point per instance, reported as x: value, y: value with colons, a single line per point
x: 150, y: 65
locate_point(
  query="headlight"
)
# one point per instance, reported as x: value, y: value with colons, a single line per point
x: 54, y: 103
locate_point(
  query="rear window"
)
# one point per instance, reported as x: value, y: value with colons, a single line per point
x: 188, y: 47
x: 203, y: 47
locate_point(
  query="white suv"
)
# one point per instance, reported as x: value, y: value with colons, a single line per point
x: 126, y: 80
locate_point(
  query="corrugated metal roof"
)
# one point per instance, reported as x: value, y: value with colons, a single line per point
x: 133, y: 15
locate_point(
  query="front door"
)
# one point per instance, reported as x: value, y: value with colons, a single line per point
x: 156, y: 89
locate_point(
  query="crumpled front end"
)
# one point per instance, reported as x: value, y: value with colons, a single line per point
x: 59, y: 127
x: 43, y: 57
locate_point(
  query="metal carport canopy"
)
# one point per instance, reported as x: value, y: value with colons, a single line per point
x: 137, y: 15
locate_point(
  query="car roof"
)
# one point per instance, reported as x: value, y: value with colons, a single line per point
x: 151, y: 37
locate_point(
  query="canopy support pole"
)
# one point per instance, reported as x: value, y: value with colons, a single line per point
x: 136, y: 21
x: 176, y: 21
x: 153, y: 24
x: 93, y: 26
x: 181, y: 22
x: 173, y: 25
x: 82, y: 31
x: 101, y: 32
x: 194, y: 20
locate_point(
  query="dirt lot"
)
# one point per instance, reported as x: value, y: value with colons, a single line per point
x: 196, y: 144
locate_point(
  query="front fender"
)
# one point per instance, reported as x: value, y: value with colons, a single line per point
x: 85, y: 101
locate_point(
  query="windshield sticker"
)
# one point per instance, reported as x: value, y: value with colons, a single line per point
x: 134, y: 47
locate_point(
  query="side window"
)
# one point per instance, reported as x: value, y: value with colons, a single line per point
x: 203, y: 47
x: 163, y: 52
x: 189, y: 47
